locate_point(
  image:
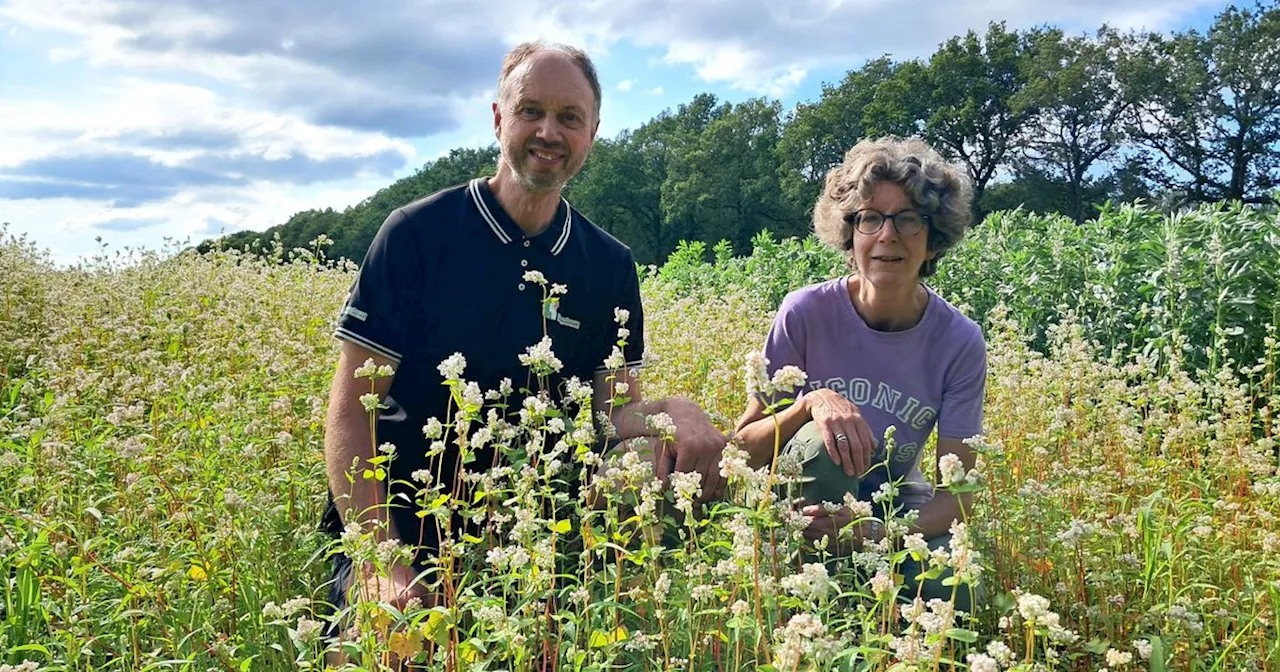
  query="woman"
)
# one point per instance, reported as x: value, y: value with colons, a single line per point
x: 880, y: 348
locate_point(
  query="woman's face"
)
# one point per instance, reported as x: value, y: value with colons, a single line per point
x: 887, y: 258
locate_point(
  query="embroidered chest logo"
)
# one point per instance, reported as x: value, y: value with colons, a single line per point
x: 551, y: 311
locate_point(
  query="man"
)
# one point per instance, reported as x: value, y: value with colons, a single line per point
x: 445, y: 274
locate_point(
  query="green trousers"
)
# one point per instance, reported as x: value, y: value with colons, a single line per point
x: 824, y: 481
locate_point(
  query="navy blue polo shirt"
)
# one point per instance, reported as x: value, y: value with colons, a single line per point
x: 444, y: 274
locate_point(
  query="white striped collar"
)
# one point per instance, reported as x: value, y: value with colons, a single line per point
x: 487, y: 212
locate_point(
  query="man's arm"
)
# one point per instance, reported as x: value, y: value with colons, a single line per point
x: 348, y: 446
x: 697, y: 446
x: 348, y: 440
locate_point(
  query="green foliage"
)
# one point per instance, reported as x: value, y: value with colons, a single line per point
x: 1203, y: 280
x: 352, y: 229
x: 773, y: 268
x: 161, y: 474
x: 1038, y: 119
x: 24, y: 301
x: 868, y: 101
x: 974, y: 111
x: 1207, y: 106
x: 1079, y: 113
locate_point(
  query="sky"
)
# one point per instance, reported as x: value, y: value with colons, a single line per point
x: 139, y: 124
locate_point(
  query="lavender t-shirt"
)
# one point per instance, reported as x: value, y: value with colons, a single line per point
x: 931, y: 374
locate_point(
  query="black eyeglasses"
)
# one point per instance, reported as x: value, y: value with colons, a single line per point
x: 907, y: 223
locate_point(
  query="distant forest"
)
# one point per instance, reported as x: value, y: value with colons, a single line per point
x: 1040, y: 119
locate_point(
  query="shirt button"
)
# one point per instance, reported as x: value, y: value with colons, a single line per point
x: 522, y: 286
x: 524, y: 262
x: 526, y: 243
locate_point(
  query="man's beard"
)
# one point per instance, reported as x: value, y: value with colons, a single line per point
x: 535, y: 182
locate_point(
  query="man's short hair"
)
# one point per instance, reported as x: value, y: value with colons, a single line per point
x: 526, y: 50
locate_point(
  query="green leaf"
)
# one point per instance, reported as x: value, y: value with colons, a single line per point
x: 1098, y: 646
x: 562, y: 526
x: 1157, y: 655
x: 962, y: 635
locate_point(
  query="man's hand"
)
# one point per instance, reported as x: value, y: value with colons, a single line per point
x: 396, y: 589
x: 698, y: 447
x: 845, y: 432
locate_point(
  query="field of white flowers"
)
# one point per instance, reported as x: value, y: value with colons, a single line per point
x: 162, y: 476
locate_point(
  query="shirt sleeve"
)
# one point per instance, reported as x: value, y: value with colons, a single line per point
x: 785, y: 344
x: 377, y: 309
x: 634, y: 349
x: 963, y: 390
x: 628, y: 299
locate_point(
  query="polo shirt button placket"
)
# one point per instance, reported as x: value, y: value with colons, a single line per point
x: 524, y: 263
x: 526, y: 243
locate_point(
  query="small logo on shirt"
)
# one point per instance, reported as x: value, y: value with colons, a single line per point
x: 356, y: 313
x: 551, y: 311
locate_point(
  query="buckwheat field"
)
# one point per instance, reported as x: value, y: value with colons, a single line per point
x: 162, y: 473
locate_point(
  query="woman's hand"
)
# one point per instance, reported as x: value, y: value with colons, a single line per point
x: 845, y: 432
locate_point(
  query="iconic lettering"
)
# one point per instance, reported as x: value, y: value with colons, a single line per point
x: 859, y: 391
x: 906, y: 452
x: 886, y: 398
x: 904, y: 413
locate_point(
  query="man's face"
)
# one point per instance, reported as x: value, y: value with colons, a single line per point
x: 545, y: 121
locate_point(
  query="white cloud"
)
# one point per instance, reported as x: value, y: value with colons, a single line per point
x: 330, y: 57
x: 768, y: 47
x: 302, y: 105
x: 171, y: 123
x: 138, y: 159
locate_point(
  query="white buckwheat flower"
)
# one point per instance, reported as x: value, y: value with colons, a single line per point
x: 952, y: 469
x: 616, y: 360
x: 663, y: 424
x: 452, y: 367
x: 757, y: 373
x: 540, y: 356
x: 535, y: 277
x: 788, y: 379
x: 1033, y: 608
x: 687, y: 486
x: 370, y: 402
x: 981, y: 662
x: 1116, y: 658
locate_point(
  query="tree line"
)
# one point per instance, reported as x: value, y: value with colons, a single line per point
x: 1039, y: 119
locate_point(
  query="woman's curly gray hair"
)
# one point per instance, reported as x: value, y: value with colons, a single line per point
x: 936, y: 187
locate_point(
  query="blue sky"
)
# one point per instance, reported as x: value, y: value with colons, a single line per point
x: 141, y: 122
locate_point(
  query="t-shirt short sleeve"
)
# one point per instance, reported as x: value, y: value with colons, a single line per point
x: 961, y: 414
x: 626, y: 297
x: 376, y: 313
x: 785, y: 344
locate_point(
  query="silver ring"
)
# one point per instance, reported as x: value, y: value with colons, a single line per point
x: 841, y: 437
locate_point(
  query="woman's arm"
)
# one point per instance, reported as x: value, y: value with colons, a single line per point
x: 845, y: 432
x: 936, y: 515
